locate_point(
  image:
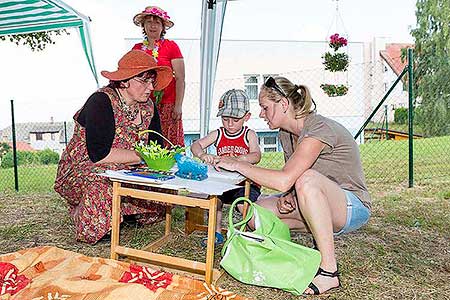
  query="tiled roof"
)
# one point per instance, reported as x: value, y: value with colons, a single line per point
x: 23, y: 130
x: 392, y: 56
x: 22, y: 146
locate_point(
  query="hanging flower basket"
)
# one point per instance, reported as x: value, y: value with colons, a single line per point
x: 334, y: 90
x: 337, y: 41
x: 335, y: 62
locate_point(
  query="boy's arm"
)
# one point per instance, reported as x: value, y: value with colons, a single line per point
x: 254, y: 156
x: 197, y: 148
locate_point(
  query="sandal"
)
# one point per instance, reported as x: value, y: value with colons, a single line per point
x: 218, y: 241
x: 322, y: 272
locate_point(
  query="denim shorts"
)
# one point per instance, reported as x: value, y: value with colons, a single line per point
x: 357, y: 214
x: 229, y: 196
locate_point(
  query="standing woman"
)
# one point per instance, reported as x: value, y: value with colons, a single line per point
x: 106, y: 129
x: 322, y: 182
x: 154, y: 22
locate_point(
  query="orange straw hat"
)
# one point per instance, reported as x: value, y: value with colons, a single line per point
x: 153, y: 11
x: 135, y: 62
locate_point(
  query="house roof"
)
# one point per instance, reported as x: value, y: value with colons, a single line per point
x: 392, y: 55
x: 45, y: 128
x: 23, y: 130
x: 22, y: 146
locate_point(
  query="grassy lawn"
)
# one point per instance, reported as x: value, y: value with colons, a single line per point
x: 403, y: 252
x: 383, y: 161
x: 37, y: 178
x: 387, y: 161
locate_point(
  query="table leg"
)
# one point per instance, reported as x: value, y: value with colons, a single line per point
x: 211, y: 240
x: 115, y: 223
x: 168, y: 219
x: 246, y: 195
x: 194, y: 217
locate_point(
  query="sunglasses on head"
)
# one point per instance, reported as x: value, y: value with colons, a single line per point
x: 271, y: 83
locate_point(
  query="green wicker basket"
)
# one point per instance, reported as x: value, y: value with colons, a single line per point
x: 158, y: 164
x: 164, y: 163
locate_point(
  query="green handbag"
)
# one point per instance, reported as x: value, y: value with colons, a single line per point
x: 265, y: 221
x: 266, y: 256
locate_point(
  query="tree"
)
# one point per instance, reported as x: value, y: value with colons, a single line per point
x: 37, y: 41
x: 432, y: 65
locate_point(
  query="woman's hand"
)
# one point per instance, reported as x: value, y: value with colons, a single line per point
x: 178, y: 69
x: 227, y: 163
x: 177, y: 112
x: 121, y: 156
x: 286, y: 204
x: 209, y: 158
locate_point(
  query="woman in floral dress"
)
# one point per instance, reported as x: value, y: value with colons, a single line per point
x: 106, y: 128
x: 154, y: 22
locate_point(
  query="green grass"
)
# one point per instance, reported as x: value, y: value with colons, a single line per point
x: 35, y: 178
x: 402, y: 253
x: 383, y: 161
x: 387, y: 161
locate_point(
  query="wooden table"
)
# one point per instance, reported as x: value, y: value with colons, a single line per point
x: 167, y: 197
x: 195, y: 217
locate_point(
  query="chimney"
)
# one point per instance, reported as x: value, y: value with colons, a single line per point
x: 51, y: 120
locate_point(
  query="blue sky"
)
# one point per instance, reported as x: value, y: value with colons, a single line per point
x: 56, y: 82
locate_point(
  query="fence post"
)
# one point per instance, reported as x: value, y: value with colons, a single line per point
x: 410, y: 116
x: 13, y: 133
x: 65, y: 133
x: 361, y: 130
x: 386, y: 120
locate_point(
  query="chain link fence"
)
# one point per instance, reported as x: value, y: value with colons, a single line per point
x: 383, y: 143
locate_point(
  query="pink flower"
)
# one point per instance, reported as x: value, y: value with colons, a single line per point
x: 337, y: 41
x: 157, y: 12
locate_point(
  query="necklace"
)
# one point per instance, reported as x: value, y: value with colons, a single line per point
x: 154, y: 50
x: 130, y: 111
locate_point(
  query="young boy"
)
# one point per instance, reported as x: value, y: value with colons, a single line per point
x: 232, y: 140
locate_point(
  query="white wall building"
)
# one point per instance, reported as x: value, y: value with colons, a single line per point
x: 245, y: 65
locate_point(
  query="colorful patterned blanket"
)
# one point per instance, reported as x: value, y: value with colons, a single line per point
x: 50, y: 273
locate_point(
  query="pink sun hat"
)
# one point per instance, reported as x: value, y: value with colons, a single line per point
x: 153, y: 11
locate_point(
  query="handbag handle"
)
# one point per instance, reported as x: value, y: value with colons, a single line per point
x: 247, y: 217
x: 231, y: 226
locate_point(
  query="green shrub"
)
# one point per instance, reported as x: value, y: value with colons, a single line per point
x: 23, y: 158
x: 401, y: 115
x: 7, y: 160
x: 4, y: 148
x: 45, y: 157
x: 48, y: 157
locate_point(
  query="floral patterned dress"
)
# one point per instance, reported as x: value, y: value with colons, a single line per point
x: 167, y: 50
x: 89, y: 195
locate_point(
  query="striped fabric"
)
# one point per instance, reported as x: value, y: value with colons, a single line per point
x: 37, y: 15
x: 27, y: 16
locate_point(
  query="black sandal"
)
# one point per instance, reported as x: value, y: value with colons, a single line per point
x: 322, y: 272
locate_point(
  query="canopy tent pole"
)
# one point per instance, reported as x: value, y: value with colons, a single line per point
x: 84, y: 36
x: 87, y: 47
x: 213, y: 14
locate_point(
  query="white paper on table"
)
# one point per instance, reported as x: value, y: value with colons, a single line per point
x: 216, y: 184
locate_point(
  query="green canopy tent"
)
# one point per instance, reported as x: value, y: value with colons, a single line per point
x: 27, y: 16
